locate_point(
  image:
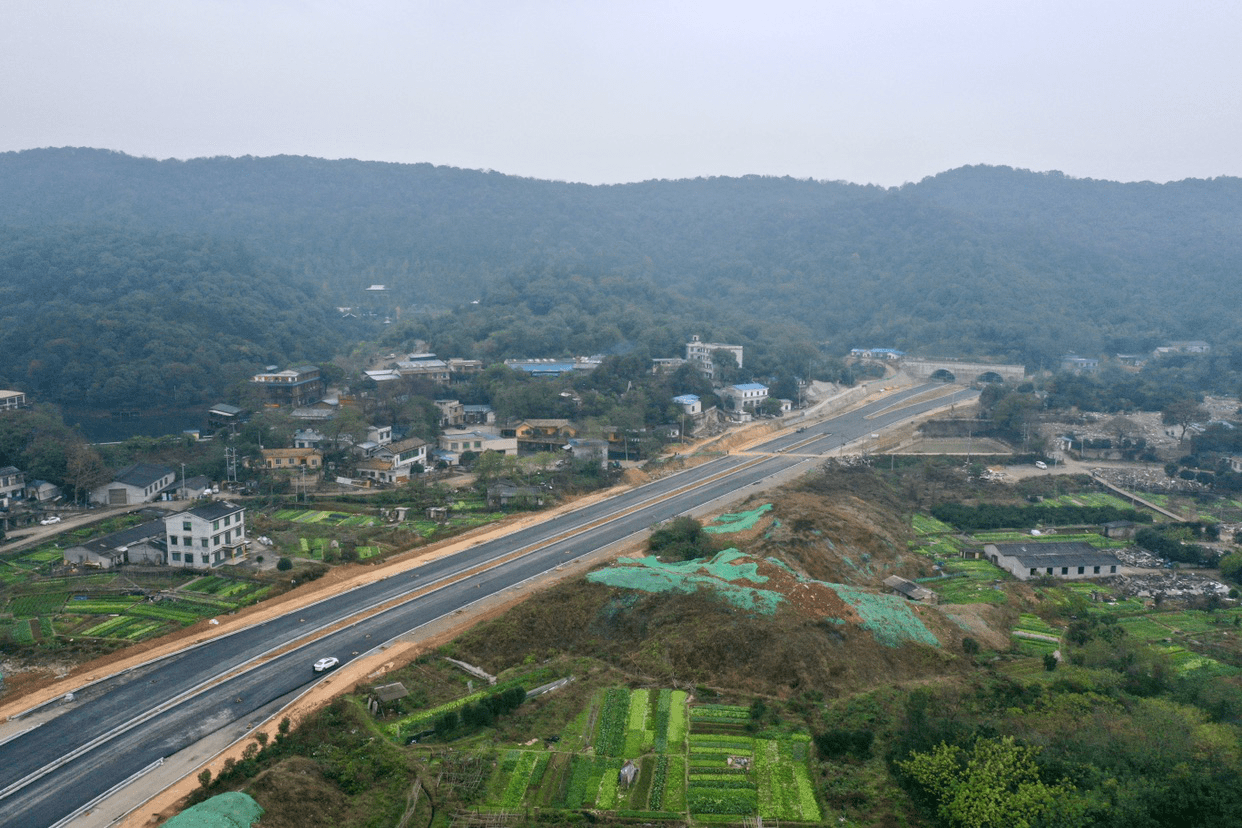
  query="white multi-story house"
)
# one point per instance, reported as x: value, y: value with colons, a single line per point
x: 206, y: 536
x: 745, y: 396
x: 12, y: 482
x: 700, y: 355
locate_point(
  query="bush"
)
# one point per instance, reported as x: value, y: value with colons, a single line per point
x: 284, y: 564
x: 681, y: 539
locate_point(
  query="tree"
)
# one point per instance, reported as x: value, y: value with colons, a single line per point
x: 724, y: 366
x: 1231, y: 566
x: 84, y: 469
x: 284, y: 564
x: 681, y: 539
x: 1184, y: 413
x: 995, y: 784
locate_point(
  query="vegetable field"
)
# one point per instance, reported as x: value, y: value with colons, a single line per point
x: 640, y: 762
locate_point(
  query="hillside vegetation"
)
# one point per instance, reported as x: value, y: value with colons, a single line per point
x: 977, y: 261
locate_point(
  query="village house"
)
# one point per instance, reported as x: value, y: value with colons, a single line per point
x: 424, y: 366
x: 478, y: 415
x: 293, y: 387
x: 690, y: 404
x: 540, y: 435
x: 11, y: 400
x: 581, y: 448
x: 206, y: 536
x: 138, y: 483
x: 452, y: 413
x: 395, y: 462
x: 1064, y: 560
x: 700, y: 355
x: 141, y: 544
x: 463, y: 369
x: 42, y: 491
x: 12, y: 483
x: 453, y: 443
x: 222, y: 416
x: 745, y: 396
x: 506, y: 493
x: 293, y: 459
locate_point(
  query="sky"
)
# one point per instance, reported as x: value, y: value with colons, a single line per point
x: 868, y: 91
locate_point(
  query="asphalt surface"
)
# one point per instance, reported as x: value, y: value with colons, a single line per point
x: 120, y: 726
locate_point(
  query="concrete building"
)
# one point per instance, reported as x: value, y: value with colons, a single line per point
x: 206, y: 536
x: 12, y: 400
x: 293, y: 387
x: 138, y: 483
x: 1064, y: 560
x: 745, y: 396
x: 700, y: 355
x: 293, y: 459
x: 453, y: 443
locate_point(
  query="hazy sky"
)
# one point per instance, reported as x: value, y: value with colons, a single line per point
x: 598, y: 91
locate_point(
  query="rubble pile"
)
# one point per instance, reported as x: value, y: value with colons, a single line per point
x: 1167, y: 585
x: 1134, y: 556
x: 1147, y: 479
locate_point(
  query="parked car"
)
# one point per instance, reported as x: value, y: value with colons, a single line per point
x: 48, y: 521
x: 1040, y: 464
x: 328, y: 663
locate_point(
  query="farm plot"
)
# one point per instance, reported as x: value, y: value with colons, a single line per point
x: 717, y: 773
x: 928, y: 525
x: 30, y: 606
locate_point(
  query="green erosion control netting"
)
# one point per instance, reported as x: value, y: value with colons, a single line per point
x: 888, y: 617
x: 720, y: 573
x: 737, y: 522
x: 226, y: 810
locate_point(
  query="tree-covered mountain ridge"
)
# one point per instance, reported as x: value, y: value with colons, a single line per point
x: 975, y: 261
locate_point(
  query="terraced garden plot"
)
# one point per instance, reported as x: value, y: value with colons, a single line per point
x: 20, y: 631
x: 1096, y: 540
x: 44, y: 556
x: 29, y: 606
x: 83, y: 605
x: 1032, y: 648
x: 1090, y: 499
x: 1194, y: 622
x: 1034, y: 624
x: 928, y: 525
x: 1146, y: 628
x: 670, y: 784
x: 365, y: 552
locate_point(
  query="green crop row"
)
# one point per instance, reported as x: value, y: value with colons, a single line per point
x: 721, y: 801
x: 612, y: 722
x: 29, y: 606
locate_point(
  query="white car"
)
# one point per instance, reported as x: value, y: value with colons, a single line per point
x: 48, y: 521
x: 1040, y: 464
x: 326, y: 663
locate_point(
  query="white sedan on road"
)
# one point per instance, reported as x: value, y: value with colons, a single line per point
x: 326, y: 663
x: 48, y: 521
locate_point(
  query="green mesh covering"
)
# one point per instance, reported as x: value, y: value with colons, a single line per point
x: 226, y: 810
x: 719, y: 573
x: 737, y: 522
x: 888, y: 617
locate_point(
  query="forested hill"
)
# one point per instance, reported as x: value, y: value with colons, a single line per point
x: 976, y: 261
x: 140, y: 320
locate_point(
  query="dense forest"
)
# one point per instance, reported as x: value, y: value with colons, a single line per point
x: 218, y: 264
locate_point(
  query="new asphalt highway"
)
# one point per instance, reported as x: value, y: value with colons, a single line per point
x: 117, y: 727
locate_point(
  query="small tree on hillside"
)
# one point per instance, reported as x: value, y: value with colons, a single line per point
x: 681, y: 539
